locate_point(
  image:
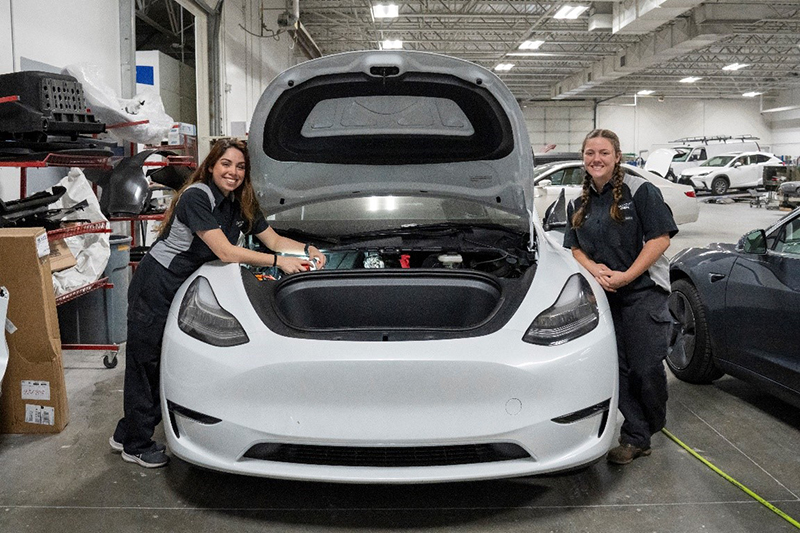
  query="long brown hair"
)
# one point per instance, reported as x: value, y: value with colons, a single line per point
x: 203, y: 174
x: 618, y: 174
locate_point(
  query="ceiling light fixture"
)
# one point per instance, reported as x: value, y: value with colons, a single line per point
x: 391, y: 44
x: 504, y: 67
x: 734, y: 66
x: 645, y: 92
x: 531, y: 45
x: 570, y: 12
x: 387, y: 11
x: 751, y: 94
x: 535, y: 54
x: 691, y: 79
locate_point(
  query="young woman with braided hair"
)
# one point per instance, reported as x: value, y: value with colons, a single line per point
x: 619, y: 229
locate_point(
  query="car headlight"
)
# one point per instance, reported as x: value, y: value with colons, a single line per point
x: 573, y: 314
x: 203, y: 318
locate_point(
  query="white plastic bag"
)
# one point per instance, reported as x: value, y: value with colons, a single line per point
x: 112, y: 110
x: 91, y: 250
x: 3, y: 327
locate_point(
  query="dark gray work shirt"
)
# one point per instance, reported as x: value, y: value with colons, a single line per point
x: 618, y: 244
x: 201, y: 207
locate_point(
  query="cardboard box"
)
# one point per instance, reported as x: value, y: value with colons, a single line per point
x: 34, y: 398
x: 61, y: 257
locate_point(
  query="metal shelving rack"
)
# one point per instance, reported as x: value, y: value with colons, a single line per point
x: 83, y: 161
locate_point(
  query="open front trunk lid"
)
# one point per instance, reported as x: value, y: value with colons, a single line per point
x: 378, y: 122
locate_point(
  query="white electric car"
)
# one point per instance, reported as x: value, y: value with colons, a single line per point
x: 567, y: 176
x: 447, y: 338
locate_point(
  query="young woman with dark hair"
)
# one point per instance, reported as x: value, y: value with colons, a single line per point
x: 203, y: 223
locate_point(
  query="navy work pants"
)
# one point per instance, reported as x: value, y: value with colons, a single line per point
x: 642, y: 324
x: 149, y: 298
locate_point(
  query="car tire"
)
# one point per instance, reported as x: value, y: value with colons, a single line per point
x: 720, y: 185
x: 689, y: 356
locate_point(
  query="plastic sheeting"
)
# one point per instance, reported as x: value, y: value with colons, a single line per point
x: 108, y: 107
x: 3, y: 328
x: 91, y: 250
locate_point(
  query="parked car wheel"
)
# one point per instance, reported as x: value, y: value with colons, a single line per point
x: 689, y: 356
x: 719, y: 185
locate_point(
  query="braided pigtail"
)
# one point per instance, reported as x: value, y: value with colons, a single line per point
x: 580, y: 215
x: 615, y: 211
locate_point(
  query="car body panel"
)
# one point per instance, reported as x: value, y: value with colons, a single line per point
x: 752, y: 304
x: 568, y: 176
x: 398, y: 387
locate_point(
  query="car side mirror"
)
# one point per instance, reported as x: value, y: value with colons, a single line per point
x: 737, y: 164
x: 556, y: 214
x: 754, y: 242
x: 544, y: 183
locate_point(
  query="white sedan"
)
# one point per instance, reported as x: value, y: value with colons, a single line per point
x: 552, y: 178
x: 733, y: 170
x: 447, y: 338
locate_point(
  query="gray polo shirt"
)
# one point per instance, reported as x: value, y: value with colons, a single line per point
x: 618, y: 244
x: 200, y: 207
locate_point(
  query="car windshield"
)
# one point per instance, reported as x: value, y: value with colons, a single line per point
x: 538, y: 170
x: 718, y: 161
x: 680, y: 155
x: 350, y: 216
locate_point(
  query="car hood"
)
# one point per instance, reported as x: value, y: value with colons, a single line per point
x: 381, y: 123
x: 659, y: 161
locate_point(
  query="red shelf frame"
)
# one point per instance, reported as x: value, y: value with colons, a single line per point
x: 101, y: 283
x: 91, y: 227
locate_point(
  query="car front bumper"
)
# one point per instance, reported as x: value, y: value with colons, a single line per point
x: 395, y: 396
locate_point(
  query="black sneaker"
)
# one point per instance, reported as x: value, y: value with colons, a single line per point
x: 117, y: 446
x: 152, y: 459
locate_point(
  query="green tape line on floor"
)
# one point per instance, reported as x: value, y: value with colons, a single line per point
x: 747, y: 491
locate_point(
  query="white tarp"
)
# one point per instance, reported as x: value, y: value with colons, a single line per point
x: 91, y: 250
x: 3, y: 328
x: 112, y: 110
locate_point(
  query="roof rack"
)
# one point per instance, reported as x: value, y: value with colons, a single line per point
x: 722, y: 138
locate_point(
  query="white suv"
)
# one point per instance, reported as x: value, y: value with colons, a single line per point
x: 733, y: 170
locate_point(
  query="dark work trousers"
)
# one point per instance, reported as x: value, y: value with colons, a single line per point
x: 642, y: 324
x: 149, y: 298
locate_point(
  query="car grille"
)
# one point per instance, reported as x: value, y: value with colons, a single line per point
x: 387, y: 456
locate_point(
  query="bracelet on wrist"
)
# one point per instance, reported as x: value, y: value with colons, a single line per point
x: 306, y: 247
x: 274, y: 260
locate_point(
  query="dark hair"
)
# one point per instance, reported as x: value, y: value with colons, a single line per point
x: 203, y: 174
x: 580, y: 215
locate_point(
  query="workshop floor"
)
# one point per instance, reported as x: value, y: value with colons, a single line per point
x: 72, y: 481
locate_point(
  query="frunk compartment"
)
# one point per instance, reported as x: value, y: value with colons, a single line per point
x: 387, y: 300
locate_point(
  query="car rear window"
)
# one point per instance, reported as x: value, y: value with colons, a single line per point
x: 410, y: 119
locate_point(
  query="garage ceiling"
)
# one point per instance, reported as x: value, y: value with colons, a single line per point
x: 614, y: 48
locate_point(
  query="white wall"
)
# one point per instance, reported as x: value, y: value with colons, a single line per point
x: 249, y: 62
x: 175, y: 83
x: 652, y: 122
x: 56, y: 33
x: 648, y: 122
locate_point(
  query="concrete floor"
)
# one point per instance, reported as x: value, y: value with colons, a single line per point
x: 72, y: 482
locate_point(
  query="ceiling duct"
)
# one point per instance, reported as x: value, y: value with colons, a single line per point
x: 708, y: 24
x: 645, y: 16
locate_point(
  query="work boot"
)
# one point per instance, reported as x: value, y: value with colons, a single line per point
x: 626, y: 453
